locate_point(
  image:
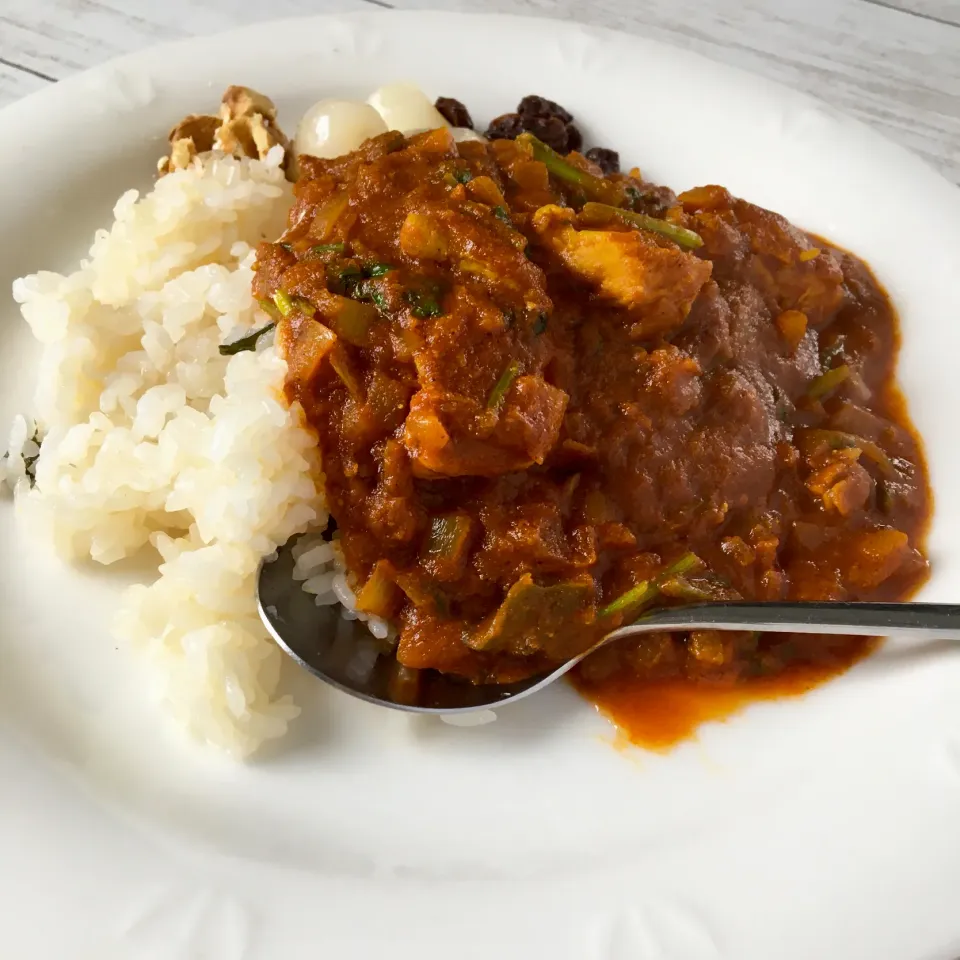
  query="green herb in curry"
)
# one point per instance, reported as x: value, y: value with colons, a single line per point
x: 681, y: 236
x: 502, y: 387
x: 646, y: 590
x: 30, y: 462
x: 593, y: 187
x: 288, y: 305
x: 330, y: 248
x: 424, y: 301
x: 249, y: 342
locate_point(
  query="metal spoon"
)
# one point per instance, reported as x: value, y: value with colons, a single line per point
x: 344, y: 654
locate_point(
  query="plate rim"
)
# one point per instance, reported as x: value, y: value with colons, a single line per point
x: 664, y: 924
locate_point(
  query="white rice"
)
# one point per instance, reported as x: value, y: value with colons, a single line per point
x: 478, y: 718
x: 320, y: 565
x: 152, y: 437
x: 18, y: 451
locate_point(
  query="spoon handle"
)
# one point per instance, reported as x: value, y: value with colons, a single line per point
x: 863, y: 619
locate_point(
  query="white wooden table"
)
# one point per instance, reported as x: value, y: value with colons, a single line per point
x: 893, y: 63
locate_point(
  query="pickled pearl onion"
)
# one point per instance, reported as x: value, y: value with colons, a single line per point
x: 405, y: 107
x: 331, y: 128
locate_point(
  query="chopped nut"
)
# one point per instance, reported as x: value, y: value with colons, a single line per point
x: 192, y: 135
x: 248, y: 123
x: 182, y: 153
x: 246, y: 127
x: 197, y: 127
x: 251, y: 136
x: 240, y: 102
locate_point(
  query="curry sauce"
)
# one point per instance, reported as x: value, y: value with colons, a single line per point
x: 547, y: 399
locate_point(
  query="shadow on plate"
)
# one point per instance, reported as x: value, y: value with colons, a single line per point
x: 328, y: 715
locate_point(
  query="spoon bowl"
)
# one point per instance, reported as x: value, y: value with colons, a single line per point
x: 344, y: 654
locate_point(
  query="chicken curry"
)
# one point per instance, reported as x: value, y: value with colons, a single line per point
x: 549, y: 395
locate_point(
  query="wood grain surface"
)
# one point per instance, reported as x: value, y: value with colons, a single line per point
x: 893, y: 63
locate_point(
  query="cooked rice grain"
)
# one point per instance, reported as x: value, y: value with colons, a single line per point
x: 151, y: 436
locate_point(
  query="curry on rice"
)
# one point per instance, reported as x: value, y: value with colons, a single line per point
x: 548, y: 396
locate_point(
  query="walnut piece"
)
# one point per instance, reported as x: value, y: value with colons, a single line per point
x: 246, y: 127
x: 243, y: 102
x: 198, y: 128
x: 192, y: 135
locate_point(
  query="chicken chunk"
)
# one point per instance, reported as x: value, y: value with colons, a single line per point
x: 656, y: 282
x: 448, y: 435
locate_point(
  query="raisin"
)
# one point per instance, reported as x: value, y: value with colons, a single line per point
x: 551, y: 130
x: 558, y: 134
x: 535, y: 106
x: 454, y: 112
x: 649, y: 198
x: 506, y: 127
x: 607, y: 160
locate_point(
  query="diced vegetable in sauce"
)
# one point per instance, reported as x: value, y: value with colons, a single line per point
x: 533, y: 616
x: 352, y: 320
x: 826, y: 383
x: 379, y: 594
x: 448, y: 537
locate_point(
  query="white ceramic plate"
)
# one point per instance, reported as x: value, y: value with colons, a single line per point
x: 827, y: 827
